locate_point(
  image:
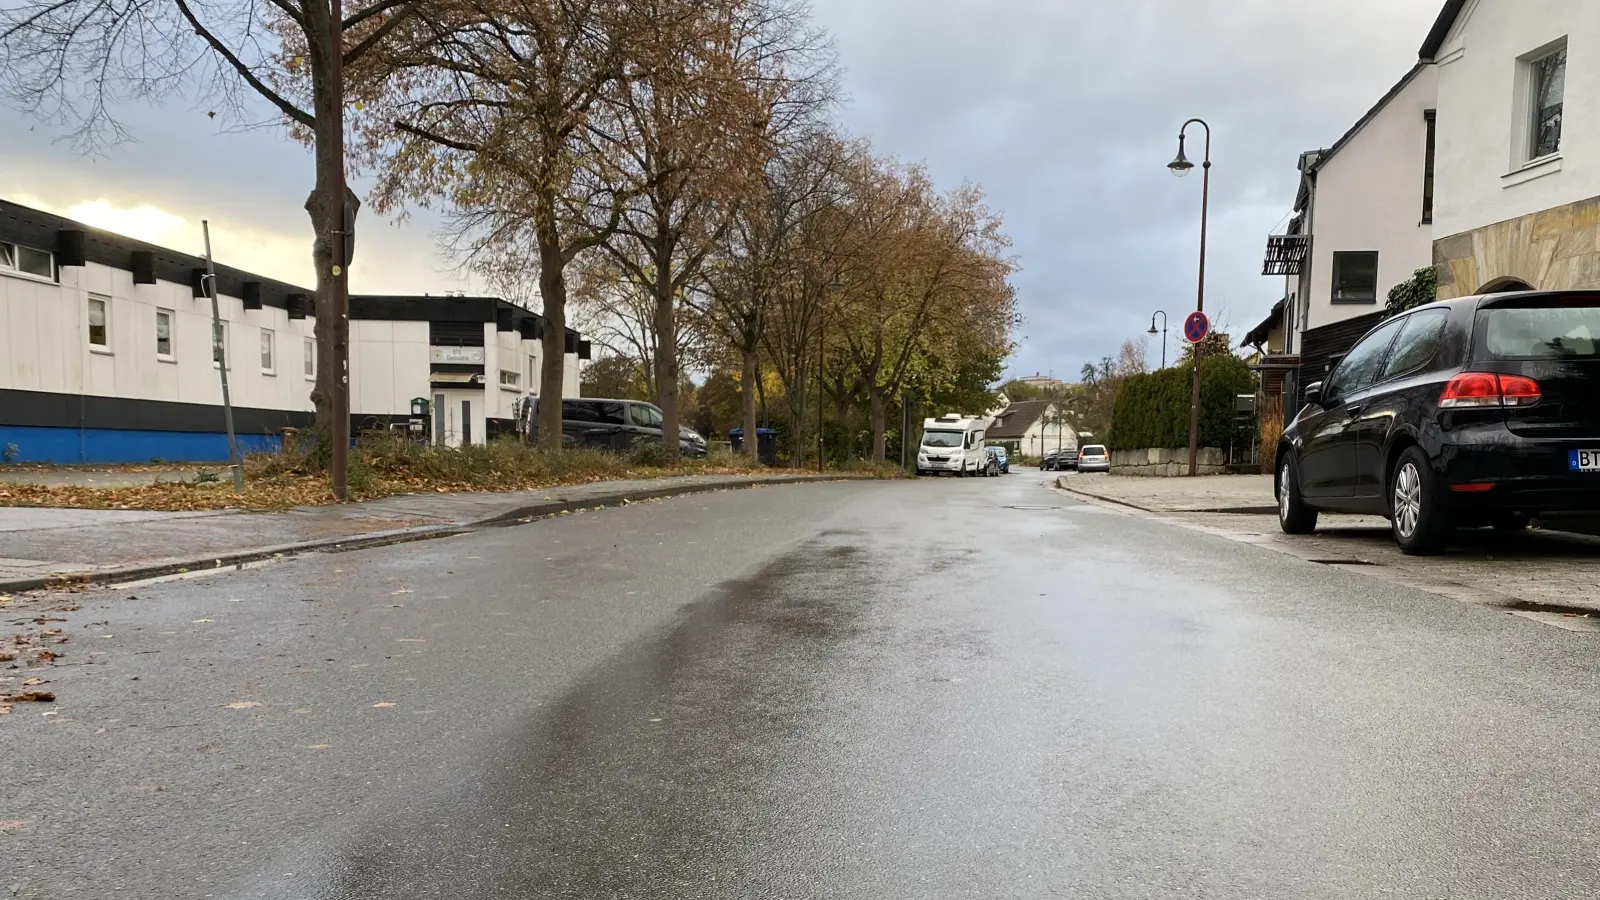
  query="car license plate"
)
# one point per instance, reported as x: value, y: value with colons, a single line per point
x: 1584, y: 461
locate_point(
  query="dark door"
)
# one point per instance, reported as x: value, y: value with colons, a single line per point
x: 1401, y: 390
x: 1328, y: 456
x: 645, y: 421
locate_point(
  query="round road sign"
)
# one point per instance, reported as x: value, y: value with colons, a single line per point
x: 1196, y: 327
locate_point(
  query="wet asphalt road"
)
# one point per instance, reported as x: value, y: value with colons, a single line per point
x: 892, y: 690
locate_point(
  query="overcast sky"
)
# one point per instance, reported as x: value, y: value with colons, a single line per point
x: 1066, y: 111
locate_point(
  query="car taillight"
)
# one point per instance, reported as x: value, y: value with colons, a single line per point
x: 1480, y: 390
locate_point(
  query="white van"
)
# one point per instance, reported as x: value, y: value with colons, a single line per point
x: 953, y: 444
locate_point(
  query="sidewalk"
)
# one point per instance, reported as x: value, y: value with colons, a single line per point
x: 41, y: 547
x: 1247, y: 494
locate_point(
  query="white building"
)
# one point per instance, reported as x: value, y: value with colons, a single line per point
x: 1519, y: 145
x: 1033, y: 428
x: 107, y: 352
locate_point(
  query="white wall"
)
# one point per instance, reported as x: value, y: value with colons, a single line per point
x: 389, y: 366
x: 1369, y: 197
x: 46, y: 347
x: 1481, y: 113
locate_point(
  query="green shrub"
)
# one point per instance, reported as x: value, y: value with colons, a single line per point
x: 648, y: 453
x: 1152, y: 409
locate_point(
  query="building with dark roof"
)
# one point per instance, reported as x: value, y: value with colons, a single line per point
x: 108, y: 352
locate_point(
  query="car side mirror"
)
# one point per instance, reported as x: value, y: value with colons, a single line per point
x: 1314, y: 393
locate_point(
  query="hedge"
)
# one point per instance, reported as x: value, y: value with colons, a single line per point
x: 1152, y: 409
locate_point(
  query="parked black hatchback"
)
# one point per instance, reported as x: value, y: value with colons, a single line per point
x: 1480, y: 411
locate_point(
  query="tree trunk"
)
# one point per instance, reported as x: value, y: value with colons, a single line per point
x: 749, y: 378
x: 666, y: 367
x: 553, y: 347
x: 324, y: 208
x: 876, y: 407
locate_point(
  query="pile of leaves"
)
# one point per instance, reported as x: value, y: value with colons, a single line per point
x: 381, y: 465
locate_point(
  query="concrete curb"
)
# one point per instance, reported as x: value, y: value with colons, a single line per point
x: 518, y: 516
x: 1229, y: 510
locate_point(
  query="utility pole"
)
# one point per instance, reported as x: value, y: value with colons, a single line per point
x: 220, y: 343
x: 1180, y: 167
x: 340, y: 285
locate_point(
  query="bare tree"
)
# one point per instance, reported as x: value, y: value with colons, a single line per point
x: 71, y: 62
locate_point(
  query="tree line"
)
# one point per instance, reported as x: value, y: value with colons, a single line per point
x: 666, y: 173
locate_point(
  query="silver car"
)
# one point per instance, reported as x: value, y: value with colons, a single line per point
x: 1094, y: 458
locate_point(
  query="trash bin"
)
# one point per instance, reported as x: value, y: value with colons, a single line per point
x: 766, y: 443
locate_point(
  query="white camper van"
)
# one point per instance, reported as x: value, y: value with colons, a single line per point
x: 953, y: 444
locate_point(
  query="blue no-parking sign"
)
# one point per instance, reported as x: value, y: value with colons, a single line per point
x: 1196, y: 327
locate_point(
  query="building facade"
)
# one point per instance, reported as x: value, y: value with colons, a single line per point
x: 1518, y: 178
x: 1033, y: 428
x: 108, y: 352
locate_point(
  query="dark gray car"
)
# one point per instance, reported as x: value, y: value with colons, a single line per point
x: 615, y: 425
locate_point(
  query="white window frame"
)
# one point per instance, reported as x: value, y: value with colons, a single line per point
x: 10, y: 262
x: 308, y: 363
x: 269, y: 352
x: 514, y: 385
x: 172, y: 337
x: 533, y: 366
x: 105, y: 315
x: 219, y: 340
x: 1525, y: 108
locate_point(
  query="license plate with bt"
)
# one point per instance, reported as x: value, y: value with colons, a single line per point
x: 1584, y: 460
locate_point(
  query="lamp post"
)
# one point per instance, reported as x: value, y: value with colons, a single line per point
x: 1181, y: 167
x: 1163, y: 314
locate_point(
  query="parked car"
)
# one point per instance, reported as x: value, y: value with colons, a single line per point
x: 1479, y: 411
x: 1047, y: 463
x: 1094, y: 458
x: 999, y: 461
x: 1068, y: 460
x: 608, y: 424
x: 691, y: 442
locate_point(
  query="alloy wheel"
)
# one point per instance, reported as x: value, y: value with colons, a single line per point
x: 1283, y: 493
x: 1407, y: 499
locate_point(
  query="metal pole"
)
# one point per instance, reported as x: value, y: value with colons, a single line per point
x: 1200, y: 301
x: 220, y: 343
x: 822, y: 340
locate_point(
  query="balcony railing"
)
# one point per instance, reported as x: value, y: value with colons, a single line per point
x: 1286, y: 253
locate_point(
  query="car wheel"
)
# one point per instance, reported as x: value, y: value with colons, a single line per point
x: 1416, y: 517
x: 1294, y: 515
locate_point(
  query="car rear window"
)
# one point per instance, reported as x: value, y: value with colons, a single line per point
x: 1559, y: 332
x: 1094, y: 450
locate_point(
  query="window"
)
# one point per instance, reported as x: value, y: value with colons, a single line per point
x: 531, y: 380
x: 99, y: 331
x: 1361, y: 365
x: 646, y: 416
x: 1431, y: 119
x: 310, y: 359
x: 602, y: 412
x: 164, y: 334
x: 266, y: 351
x: 1418, y: 341
x: 1355, y: 277
x: 28, y: 261
x: 510, y: 379
x: 219, y: 342
x: 1549, y: 82
x: 1555, y: 333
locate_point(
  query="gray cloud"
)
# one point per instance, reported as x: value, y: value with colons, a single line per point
x: 1067, y: 112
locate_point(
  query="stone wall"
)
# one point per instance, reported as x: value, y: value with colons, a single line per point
x: 1552, y: 250
x: 1167, y: 463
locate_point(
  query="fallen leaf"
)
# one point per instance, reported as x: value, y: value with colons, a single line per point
x: 50, y: 713
x: 318, y: 746
x: 12, y: 825
x: 199, y: 621
x: 30, y: 697
x: 384, y: 705
x: 33, y: 681
x: 235, y: 600
x: 4, y: 710
x: 401, y: 591
x: 412, y: 640
x: 244, y: 704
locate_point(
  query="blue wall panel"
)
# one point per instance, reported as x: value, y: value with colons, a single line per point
x: 100, y: 445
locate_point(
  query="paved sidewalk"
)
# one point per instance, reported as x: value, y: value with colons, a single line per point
x: 41, y: 546
x: 105, y: 478
x: 1211, y: 493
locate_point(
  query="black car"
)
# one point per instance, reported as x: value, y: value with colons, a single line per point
x: 1047, y: 463
x: 616, y: 425
x: 1480, y: 411
x: 1067, y: 460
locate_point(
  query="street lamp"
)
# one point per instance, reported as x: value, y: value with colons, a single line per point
x: 1163, y: 314
x: 1180, y: 167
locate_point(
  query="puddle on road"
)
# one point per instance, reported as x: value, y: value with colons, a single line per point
x: 1570, y: 618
